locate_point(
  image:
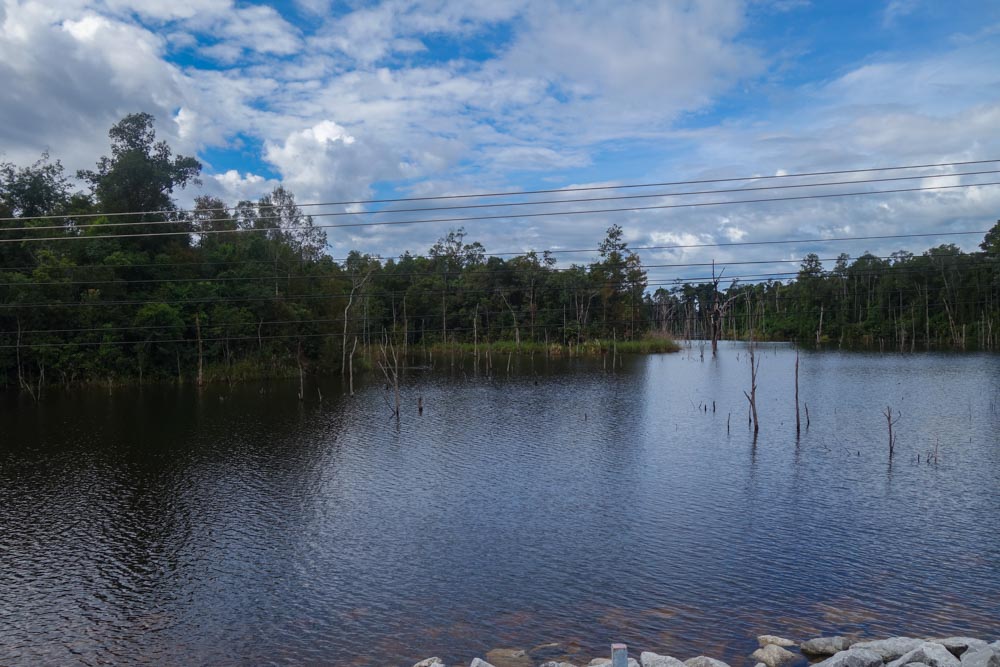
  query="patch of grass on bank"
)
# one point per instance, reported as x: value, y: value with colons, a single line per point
x: 593, y: 347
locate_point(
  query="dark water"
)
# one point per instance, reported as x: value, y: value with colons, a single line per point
x: 563, y: 503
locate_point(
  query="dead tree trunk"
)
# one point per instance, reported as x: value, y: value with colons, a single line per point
x: 798, y: 421
x: 475, y: 335
x: 200, y: 381
x: 302, y: 380
x: 752, y: 396
x: 389, y: 365
x: 891, y: 420
x: 513, y: 315
x: 350, y: 365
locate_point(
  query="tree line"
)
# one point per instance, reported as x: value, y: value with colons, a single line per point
x: 941, y: 298
x: 118, y: 284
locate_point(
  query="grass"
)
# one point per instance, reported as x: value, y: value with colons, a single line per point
x: 592, y: 347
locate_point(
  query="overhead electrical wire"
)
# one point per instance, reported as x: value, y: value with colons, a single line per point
x: 402, y: 274
x: 503, y: 217
x: 668, y: 281
x: 146, y: 223
x: 340, y: 334
x: 554, y: 190
x: 680, y: 246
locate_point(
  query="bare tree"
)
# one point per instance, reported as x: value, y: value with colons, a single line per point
x: 719, y: 309
x: 752, y: 396
x: 891, y: 419
x: 359, y: 276
x: 388, y: 363
x: 798, y: 421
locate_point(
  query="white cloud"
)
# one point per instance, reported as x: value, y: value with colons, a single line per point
x: 897, y: 9
x: 231, y: 186
x: 356, y: 99
x: 325, y: 162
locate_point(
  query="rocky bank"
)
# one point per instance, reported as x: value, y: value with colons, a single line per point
x: 777, y: 651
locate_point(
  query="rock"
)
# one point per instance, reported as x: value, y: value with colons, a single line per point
x: 476, y: 662
x: 825, y: 645
x: 773, y: 655
x: 650, y: 659
x: 549, y: 651
x: 959, y: 645
x: 430, y: 662
x: 599, y: 662
x: 509, y: 657
x: 553, y: 663
x: 760, y: 664
x: 704, y: 661
x: 766, y: 640
x: 891, y: 649
x: 929, y: 653
x: 853, y: 657
x: 983, y: 657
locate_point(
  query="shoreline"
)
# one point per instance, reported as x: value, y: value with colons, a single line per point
x: 772, y: 651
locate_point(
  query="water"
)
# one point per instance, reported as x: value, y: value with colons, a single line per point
x: 561, y: 503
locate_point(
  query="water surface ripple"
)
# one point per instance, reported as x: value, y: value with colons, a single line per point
x: 563, y: 502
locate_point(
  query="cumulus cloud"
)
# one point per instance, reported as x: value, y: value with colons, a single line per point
x: 355, y: 99
x: 325, y: 162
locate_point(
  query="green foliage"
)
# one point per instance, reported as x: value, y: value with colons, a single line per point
x: 250, y: 291
x: 943, y: 297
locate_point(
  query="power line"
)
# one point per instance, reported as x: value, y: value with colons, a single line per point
x: 501, y: 205
x: 505, y: 217
x: 552, y: 190
x: 723, y: 244
x: 457, y: 290
x: 456, y: 272
x: 422, y: 331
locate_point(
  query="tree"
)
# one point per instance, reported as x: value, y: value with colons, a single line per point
x: 29, y: 192
x: 991, y: 242
x: 279, y: 212
x: 140, y: 177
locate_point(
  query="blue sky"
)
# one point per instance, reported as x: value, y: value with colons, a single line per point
x: 354, y: 100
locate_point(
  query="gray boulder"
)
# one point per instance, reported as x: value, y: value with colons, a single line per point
x: 599, y: 662
x: 959, y: 645
x: 476, y: 662
x: 765, y: 640
x: 430, y: 662
x: 983, y: 657
x: 928, y: 653
x: 650, y: 659
x: 704, y: 661
x: 891, y: 649
x: 773, y: 655
x: 853, y: 657
x: 553, y: 663
x: 825, y: 645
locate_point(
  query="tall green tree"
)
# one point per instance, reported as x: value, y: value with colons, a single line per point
x: 139, y: 178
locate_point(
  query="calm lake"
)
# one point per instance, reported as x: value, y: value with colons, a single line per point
x: 561, y: 502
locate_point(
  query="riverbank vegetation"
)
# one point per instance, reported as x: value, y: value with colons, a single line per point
x: 942, y: 298
x: 117, y: 284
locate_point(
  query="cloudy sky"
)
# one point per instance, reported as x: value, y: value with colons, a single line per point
x: 347, y: 100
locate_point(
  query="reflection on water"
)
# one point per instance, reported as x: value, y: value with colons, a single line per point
x: 560, y: 503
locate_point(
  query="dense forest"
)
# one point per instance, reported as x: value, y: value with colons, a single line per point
x: 118, y: 284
